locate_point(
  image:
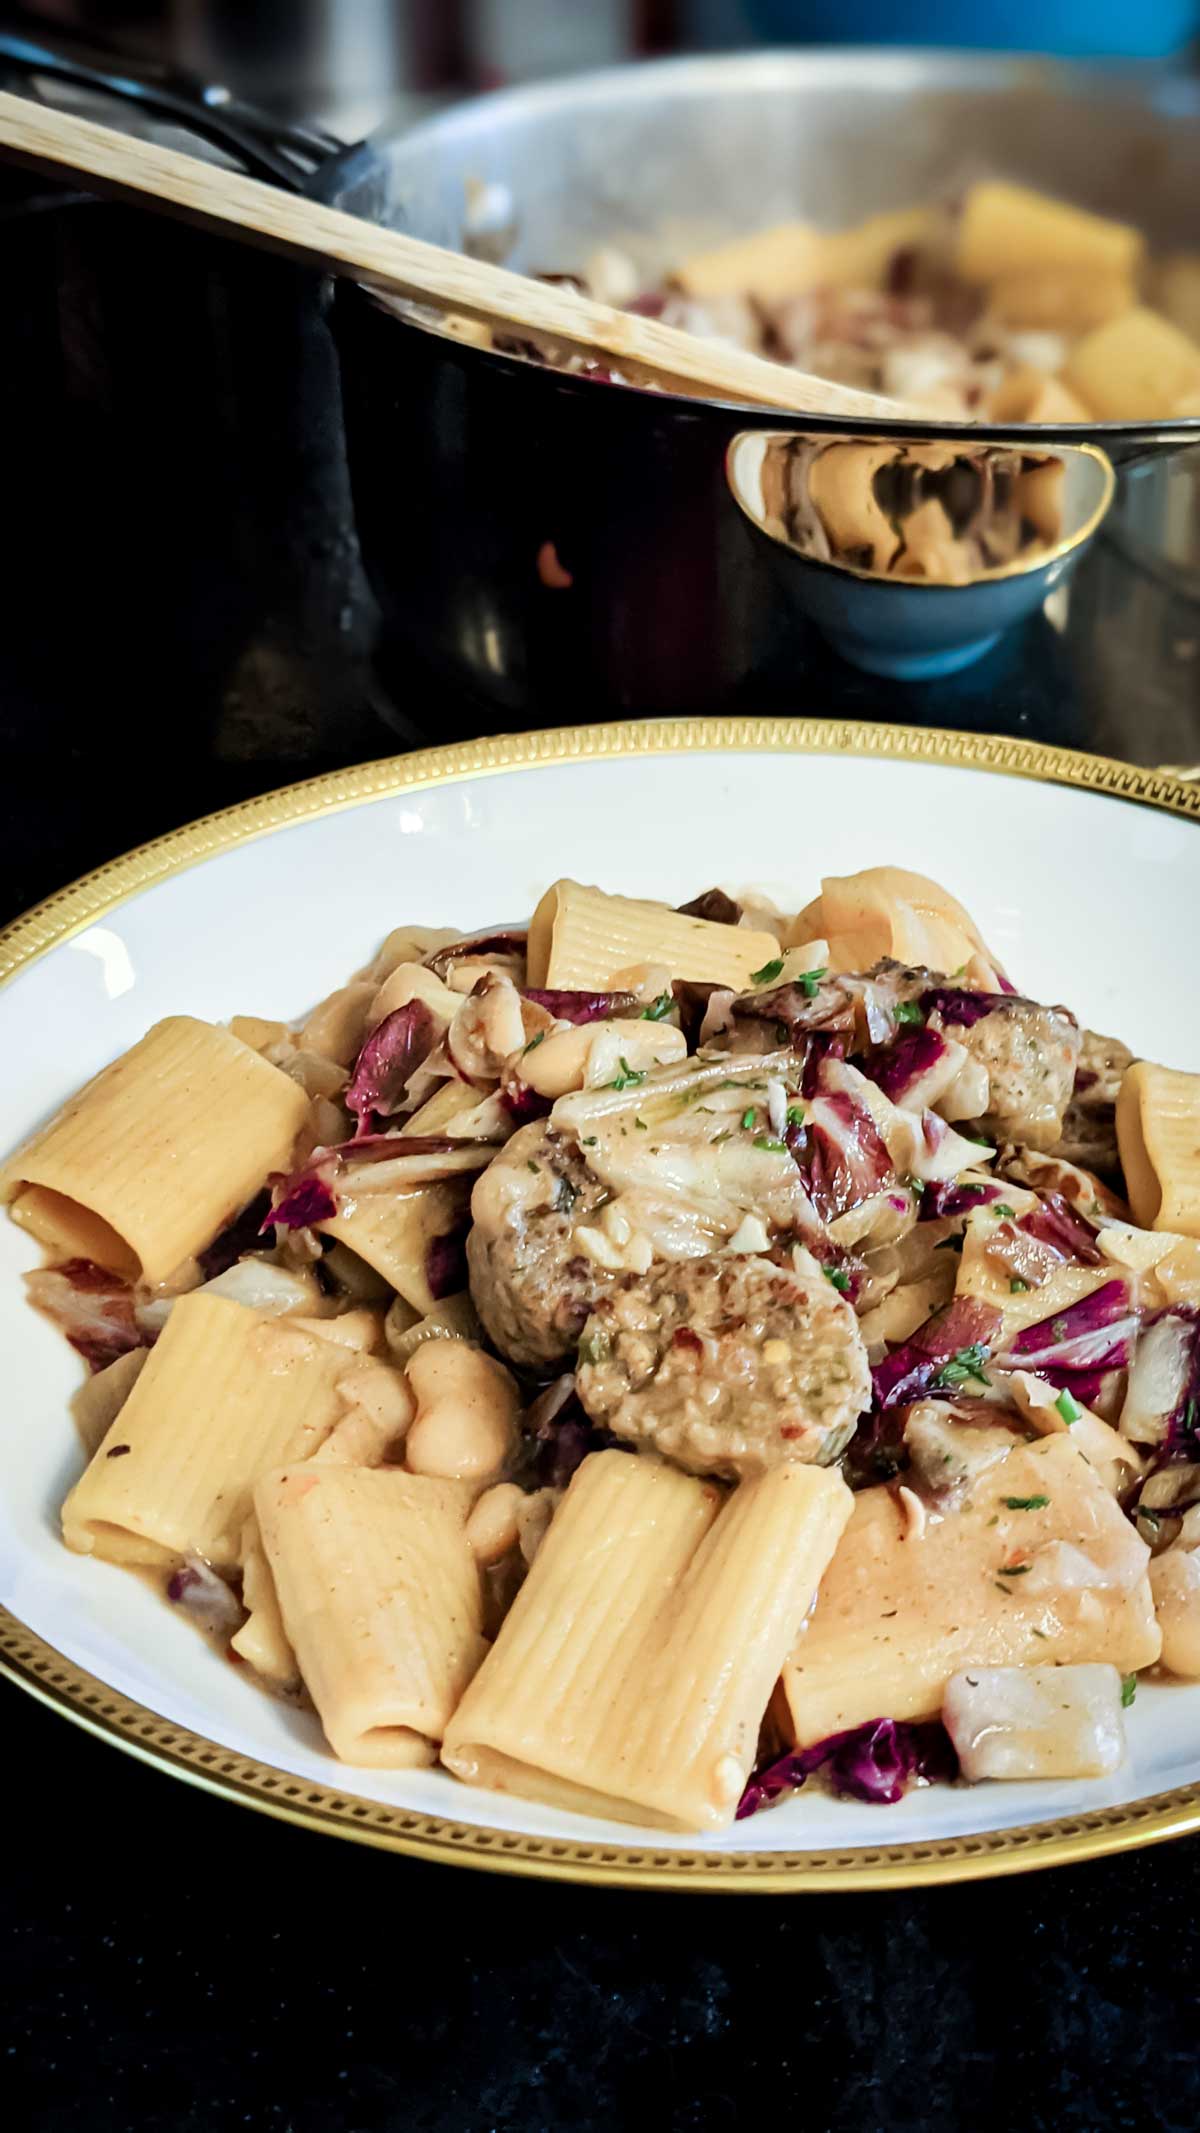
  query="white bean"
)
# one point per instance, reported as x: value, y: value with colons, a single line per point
x: 467, y: 1408
x: 493, y: 1525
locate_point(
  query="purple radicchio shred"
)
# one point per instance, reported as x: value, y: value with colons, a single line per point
x: 840, y: 1155
x: 1084, y: 1079
x: 714, y: 905
x: 877, y: 1450
x: 239, y: 1237
x: 909, y: 1372
x: 1056, y: 1223
x: 579, y: 1007
x: 1180, y: 1440
x: 91, y: 1306
x: 951, y: 1198
x: 481, y: 944
x: 816, y: 1048
x: 563, y: 1435
x: 446, y: 1263
x: 875, y: 1763
x: 523, y: 1103
x: 389, y: 1058
x: 906, y: 1061
x: 961, y: 1006
x: 1078, y: 1345
x: 1006, y: 985
x: 306, y: 1199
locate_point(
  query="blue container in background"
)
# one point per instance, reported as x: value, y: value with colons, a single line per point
x: 1078, y: 29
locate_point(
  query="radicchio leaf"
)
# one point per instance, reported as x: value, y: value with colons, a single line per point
x: 1094, y: 1335
x: 713, y: 905
x: 840, y: 1154
x: 952, y: 1198
x: 93, y: 1307
x: 240, y: 1237
x: 1056, y: 1223
x: 910, y: 1371
x: 563, y: 1435
x: 961, y: 1006
x: 389, y: 1058
x: 480, y: 944
x: 579, y: 1007
x: 875, y: 1763
x: 306, y: 1198
x: 523, y: 1103
x: 906, y: 1062
x: 446, y: 1263
x: 196, y: 1587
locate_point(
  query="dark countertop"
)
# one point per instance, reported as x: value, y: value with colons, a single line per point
x: 175, y: 1964
x: 178, y: 1965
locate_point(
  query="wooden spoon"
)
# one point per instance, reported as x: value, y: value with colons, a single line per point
x: 644, y: 350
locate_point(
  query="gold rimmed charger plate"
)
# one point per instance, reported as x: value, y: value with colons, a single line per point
x: 26, y: 1659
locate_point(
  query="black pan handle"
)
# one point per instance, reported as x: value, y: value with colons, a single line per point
x: 282, y: 153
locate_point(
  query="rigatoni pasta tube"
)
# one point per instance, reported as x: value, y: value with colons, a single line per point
x: 380, y: 1597
x: 1009, y: 229
x: 1158, y: 1134
x: 580, y: 938
x: 225, y: 1394
x: 142, y: 1168
x: 548, y: 1697
x: 632, y: 1674
x: 262, y: 1639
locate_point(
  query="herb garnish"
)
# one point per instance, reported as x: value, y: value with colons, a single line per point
x: 1014, y: 1570
x: 1017, y: 1287
x: 531, y: 1165
x: 769, y: 972
x: 908, y: 1011
x: 1003, y: 1212
x: 534, y: 1042
x: 839, y: 1279
x: 1128, y: 1690
x: 1068, y: 1407
x: 773, y: 1147
x: 795, y: 1115
x: 810, y: 979
x: 659, y: 1008
x: 1025, y: 1503
x: 748, y: 1117
x: 968, y: 1363
x: 628, y: 1077
x: 641, y: 1125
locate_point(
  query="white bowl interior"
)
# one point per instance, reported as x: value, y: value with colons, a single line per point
x: 1080, y: 894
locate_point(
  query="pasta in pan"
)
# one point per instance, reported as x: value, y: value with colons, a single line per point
x: 648, y: 1360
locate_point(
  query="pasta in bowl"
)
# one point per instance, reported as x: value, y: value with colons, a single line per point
x: 646, y: 1358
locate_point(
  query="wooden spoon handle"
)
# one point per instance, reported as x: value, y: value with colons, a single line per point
x: 644, y: 350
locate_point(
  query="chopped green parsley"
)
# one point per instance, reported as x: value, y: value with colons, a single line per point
x: 769, y: 972
x: 909, y: 1011
x: 1068, y: 1407
x: 628, y: 1077
x: 658, y: 1009
x: 748, y: 1117
x: 840, y: 1280
x: 773, y: 1147
x: 1025, y: 1503
x: 1017, y: 1287
x: 809, y: 980
x: 1128, y: 1690
x: 967, y: 1363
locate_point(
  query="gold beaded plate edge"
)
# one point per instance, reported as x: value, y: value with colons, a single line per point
x: 35, y: 1666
